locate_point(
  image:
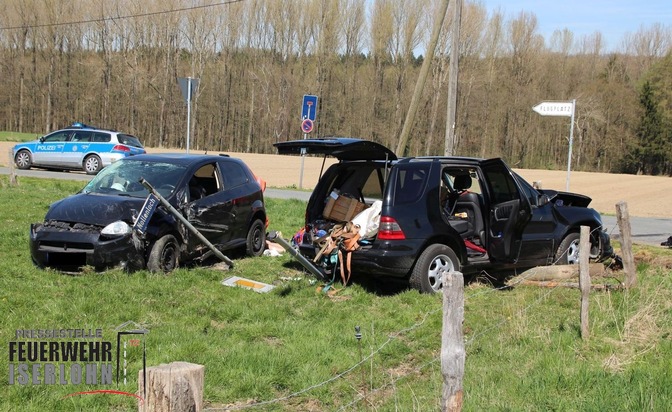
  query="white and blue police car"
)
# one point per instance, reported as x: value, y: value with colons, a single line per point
x: 78, y: 147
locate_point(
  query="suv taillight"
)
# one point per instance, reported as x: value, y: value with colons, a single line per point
x: 389, y: 229
x: 120, y: 148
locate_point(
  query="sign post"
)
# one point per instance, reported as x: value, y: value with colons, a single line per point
x: 561, y: 109
x: 308, y: 115
x: 188, y: 86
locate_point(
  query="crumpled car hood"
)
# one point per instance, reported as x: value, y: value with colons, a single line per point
x: 567, y: 198
x: 95, y: 209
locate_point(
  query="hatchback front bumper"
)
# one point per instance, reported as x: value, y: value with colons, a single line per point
x: 72, y: 249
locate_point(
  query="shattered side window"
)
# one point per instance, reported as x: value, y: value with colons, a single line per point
x: 123, y: 178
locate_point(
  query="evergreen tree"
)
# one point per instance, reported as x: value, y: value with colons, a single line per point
x: 652, y: 152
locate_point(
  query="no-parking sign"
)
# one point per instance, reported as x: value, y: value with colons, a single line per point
x: 307, y: 126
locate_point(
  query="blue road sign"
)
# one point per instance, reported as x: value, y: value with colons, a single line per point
x: 146, y: 213
x: 309, y: 109
x: 188, y: 86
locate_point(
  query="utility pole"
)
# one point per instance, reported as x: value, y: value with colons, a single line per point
x: 449, y: 148
x: 419, y: 86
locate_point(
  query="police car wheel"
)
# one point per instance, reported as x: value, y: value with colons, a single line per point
x: 92, y: 164
x: 23, y: 159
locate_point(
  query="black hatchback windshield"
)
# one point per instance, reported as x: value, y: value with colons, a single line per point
x: 123, y: 178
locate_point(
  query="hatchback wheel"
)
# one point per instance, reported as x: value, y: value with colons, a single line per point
x: 427, y: 275
x: 256, y: 239
x: 92, y: 164
x: 23, y: 159
x: 568, y: 251
x: 164, y: 255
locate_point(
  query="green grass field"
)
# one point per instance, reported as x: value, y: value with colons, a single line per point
x: 294, y: 349
x: 17, y: 137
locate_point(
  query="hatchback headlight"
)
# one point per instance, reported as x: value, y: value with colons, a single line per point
x: 117, y: 228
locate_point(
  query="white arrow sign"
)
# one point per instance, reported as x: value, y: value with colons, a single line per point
x: 555, y: 108
x: 560, y: 109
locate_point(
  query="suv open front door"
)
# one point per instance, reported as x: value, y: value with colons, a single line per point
x: 509, y: 212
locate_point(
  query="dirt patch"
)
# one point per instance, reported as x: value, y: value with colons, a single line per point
x: 653, y: 259
x: 646, y: 196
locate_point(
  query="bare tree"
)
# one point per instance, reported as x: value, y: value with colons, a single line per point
x: 562, y: 41
x: 524, y: 45
x: 115, y: 64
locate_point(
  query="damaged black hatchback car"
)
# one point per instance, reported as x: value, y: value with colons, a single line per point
x: 439, y: 214
x: 217, y: 195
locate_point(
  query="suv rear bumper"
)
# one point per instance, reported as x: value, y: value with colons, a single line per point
x: 387, y: 258
x: 391, y: 260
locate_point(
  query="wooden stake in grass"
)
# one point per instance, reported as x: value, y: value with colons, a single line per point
x: 358, y: 336
x: 623, y: 219
x: 177, y: 386
x: 12, y: 172
x: 452, y: 341
x: 584, y: 278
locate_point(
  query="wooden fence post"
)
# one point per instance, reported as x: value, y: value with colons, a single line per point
x: 584, y: 278
x: 452, y: 341
x: 623, y: 220
x: 175, y: 387
x: 12, y: 171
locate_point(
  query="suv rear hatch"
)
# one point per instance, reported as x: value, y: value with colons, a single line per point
x: 359, y: 178
x: 342, y: 148
x: 356, y: 157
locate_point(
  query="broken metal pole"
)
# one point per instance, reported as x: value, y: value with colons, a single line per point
x: 277, y: 237
x: 182, y: 219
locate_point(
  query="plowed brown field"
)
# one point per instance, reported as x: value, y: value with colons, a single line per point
x: 646, y: 196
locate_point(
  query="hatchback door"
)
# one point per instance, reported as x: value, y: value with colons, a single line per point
x: 509, y: 211
x: 220, y: 203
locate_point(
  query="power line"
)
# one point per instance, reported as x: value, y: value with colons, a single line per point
x: 131, y: 16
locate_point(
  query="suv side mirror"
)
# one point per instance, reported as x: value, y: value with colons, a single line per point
x: 543, y: 200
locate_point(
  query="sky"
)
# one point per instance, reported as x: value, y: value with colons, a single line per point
x: 612, y: 18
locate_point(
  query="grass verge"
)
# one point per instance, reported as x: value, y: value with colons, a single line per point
x: 295, y: 348
x: 17, y: 137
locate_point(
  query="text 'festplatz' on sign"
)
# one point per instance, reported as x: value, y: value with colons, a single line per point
x: 555, y: 108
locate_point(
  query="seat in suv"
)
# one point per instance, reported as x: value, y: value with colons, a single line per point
x: 442, y: 214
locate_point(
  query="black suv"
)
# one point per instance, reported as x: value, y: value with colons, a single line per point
x: 445, y: 213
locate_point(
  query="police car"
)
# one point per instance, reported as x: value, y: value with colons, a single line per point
x: 78, y: 147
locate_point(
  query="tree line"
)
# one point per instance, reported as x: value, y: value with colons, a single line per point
x: 116, y: 64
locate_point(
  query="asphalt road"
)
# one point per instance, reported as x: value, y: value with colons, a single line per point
x: 644, y: 230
